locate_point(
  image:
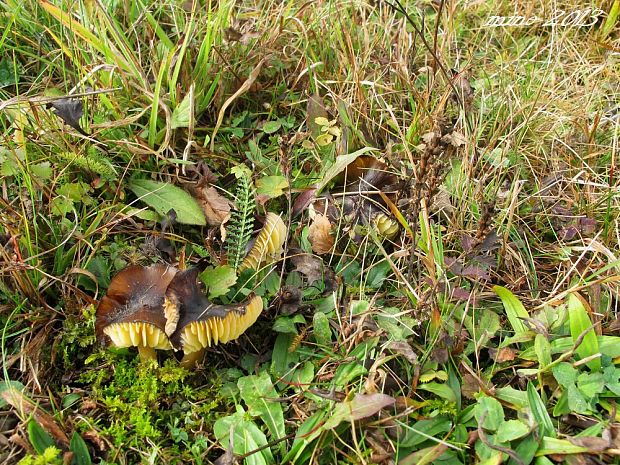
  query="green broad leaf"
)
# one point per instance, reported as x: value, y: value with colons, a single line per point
x: 492, y: 411
x: 302, y: 377
x: 142, y: 213
x: 398, y: 326
x: 282, y: 359
x: 579, y: 322
x: 561, y: 406
x: 75, y: 191
x: 423, y: 430
x: 271, y: 186
x: 608, y: 346
x: 424, y: 456
x: 347, y: 372
x: 218, y: 280
x: 261, y: 398
x: 272, y: 126
x: 339, y: 165
x: 511, y: 430
x: 359, y: 306
x: 543, y: 350
x: 288, y: 324
x: 576, y: 401
x: 42, y: 171
x: 539, y: 412
x: 70, y: 399
x: 241, y: 171
x: 320, y: 329
x: 39, y: 438
x: 565, y: 374
x: 81, y: 456
x: 309, y: 430
x: 512, y: 396
x: 551, y: 446
x: 182, y: 114
x: 526, y: 450
x: 439, y: 389
x: 60, y: 206
x: 246, y: 437
x: 163, y: 197
x: 591, y: 384
x: 360, y: 407
x: 514, y: 309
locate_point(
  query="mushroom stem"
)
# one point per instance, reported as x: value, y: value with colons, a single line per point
x: 189, y: 360
x: 147, y: 353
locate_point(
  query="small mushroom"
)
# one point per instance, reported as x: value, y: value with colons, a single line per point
x: 268, y: 244
x: 387, y: 227
x: 204, y: 324
x: 132, y: 312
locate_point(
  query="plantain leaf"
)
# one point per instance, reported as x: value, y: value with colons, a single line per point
x: 39, y: 438
x: 262, y: 400
x: 163, y: 197
x: 539, y: 412
x: 514, y: 309
x: 81, y: 456
x: 580, y: 322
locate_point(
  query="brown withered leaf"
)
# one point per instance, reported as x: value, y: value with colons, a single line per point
x: 505, y: 354
x: 319, y: 235
x: 313, y: 269
x: 595, y: 445
x: 403, y: 348
x: 216, y: 206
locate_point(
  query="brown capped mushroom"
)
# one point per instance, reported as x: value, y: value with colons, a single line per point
x: 204, y: 324
x: 132, y: 312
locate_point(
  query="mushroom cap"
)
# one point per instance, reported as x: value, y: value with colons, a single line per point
x: 132, y: 312
x: 202, y: 323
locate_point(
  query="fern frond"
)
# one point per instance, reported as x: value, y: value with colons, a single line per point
x: 241, y: 223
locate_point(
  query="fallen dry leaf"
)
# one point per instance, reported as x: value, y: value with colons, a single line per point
x: 505, y: 354
x: 216, y: 206
x: 319, y: 235
x: 313, y: 269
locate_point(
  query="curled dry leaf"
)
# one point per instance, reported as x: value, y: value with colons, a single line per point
x: 319, y: 235
x: 216, y: 206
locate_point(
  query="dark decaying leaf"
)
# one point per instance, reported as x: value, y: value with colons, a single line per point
x: 313, y: 268
x: 403, y: 348
x: 466, y: 271
x: 288, y: 300
x: 70, y: 111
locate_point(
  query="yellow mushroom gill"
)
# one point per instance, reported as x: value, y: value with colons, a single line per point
x: 268, y: 244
